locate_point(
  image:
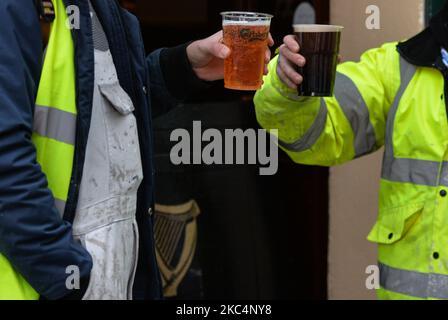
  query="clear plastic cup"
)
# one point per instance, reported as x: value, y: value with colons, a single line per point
x: 247, y: 36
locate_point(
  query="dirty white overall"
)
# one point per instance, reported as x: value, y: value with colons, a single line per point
x: 105, y: 219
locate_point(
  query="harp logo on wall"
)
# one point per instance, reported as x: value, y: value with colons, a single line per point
x: 304, y: 14
x: 176, y: 238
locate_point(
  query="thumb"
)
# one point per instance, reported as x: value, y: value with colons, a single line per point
x: 220, y: 50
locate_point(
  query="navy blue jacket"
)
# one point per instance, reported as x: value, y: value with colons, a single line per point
x: 33, y: 237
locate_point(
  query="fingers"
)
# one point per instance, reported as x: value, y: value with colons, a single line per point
x: 267, y: 59
x: 291, y: 56
x: 289, y: 73
x: 214, y: 46
x: 291, y: 43
x: 267, y: 56
x: 270, y: 40
x: 288, y: 61
x: 217, y: 36
x: 220, y: 50
x: 281, y: 74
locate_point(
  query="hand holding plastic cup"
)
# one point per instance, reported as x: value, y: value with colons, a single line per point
x: 247, y: 36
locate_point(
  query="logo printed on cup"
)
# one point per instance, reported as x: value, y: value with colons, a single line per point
x: 251, y: 35
x: 246, y: 34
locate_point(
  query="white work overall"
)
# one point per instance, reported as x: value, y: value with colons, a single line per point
x: 105, y: 219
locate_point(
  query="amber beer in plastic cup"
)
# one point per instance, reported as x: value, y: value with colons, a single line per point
x: 319, y: 44
x: 246, y: 34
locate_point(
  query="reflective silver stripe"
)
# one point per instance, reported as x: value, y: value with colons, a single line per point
x: 414, y: 284
x: 444, y: 175
x: 313, y: 133
x: 404, y: 170
x: 55, y: 124
x: 414, y: 171
x: 60, y: 205
x: 357, y: 113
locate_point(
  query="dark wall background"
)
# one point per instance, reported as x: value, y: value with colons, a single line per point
x: 259, y: 237
x: 432, y: 7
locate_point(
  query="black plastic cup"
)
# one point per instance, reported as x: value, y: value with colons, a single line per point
x: 319, y: 44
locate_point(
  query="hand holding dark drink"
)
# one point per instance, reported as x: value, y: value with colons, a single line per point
x: 289, y: 61
x: 312, y: 71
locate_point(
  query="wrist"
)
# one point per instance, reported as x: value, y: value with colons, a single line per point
x: 194, y: 55
x: 191, y: 48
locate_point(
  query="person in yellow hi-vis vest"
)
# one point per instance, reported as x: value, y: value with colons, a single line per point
x: 394, y: 97
x: 76, y: 160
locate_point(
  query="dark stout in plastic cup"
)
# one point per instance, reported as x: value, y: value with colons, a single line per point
x: 319, y: 44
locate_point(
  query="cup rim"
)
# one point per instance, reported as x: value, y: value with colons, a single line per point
x: 317, y: 27
x: 247, y: 14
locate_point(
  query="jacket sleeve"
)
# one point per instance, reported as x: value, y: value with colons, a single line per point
x: 172, y: 79
x: 331, y: 131
x: 33, y: 237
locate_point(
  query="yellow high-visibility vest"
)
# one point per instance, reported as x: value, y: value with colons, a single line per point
x: 380, y: 101
x: 53, y: 134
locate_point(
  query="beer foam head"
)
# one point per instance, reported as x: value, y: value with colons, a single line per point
x: 316, y: 28
x: 246, y: 18
x: 246, y: 23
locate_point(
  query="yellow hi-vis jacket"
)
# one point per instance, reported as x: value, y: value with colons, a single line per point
x: 53, y: 135
x: 381, y: 101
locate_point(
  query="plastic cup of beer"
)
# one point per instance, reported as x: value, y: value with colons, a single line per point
x: 247, y: 36
x: 319, y: 44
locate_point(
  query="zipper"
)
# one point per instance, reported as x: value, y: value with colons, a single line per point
x: 439, y: 65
